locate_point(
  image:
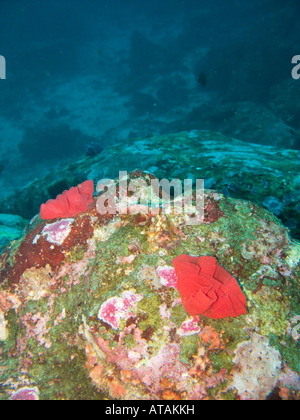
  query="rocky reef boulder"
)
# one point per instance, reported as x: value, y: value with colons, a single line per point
x: 89, y: 307
x: 266, y: 175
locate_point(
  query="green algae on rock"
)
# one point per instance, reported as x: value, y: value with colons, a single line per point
x: 97, y: 315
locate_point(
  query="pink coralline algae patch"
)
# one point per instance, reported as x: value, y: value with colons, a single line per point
x: 36, y: 327
x: 120, y: 355
x: 117, y: 308
x: 57, y: 232
x: 164, y: 312
x: 165, y: 365
x: 189, y: 327
x: 167, y: 276
x: 26, y: 394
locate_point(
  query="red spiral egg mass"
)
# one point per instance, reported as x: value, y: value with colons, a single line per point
x: 70, y: 203
x: 208, y: 289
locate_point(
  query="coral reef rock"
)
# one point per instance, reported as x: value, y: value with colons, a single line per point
x: 97, y: 314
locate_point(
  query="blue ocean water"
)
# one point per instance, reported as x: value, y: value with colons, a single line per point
x: 80, y: 76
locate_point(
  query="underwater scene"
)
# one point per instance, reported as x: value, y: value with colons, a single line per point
x: 149, y: 202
